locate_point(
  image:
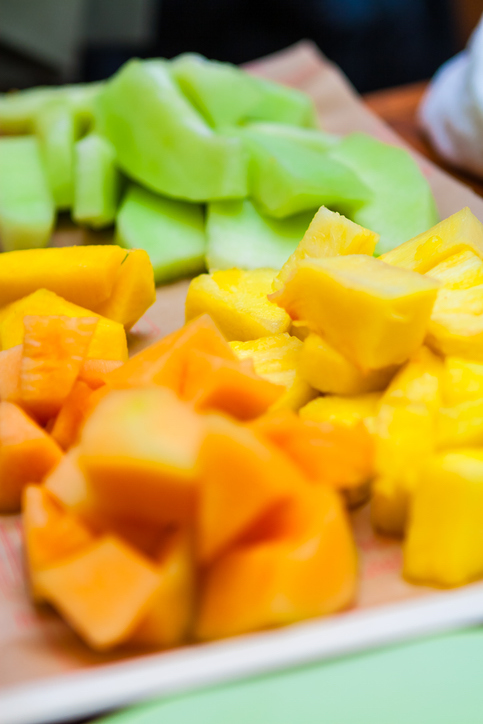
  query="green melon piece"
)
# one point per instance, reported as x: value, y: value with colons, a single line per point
x: 27, y: 211
x: 402, y: 204
x: 223, y: 93
x: 239, y: 236
x: 310, y: 138
x: 163, y: 142
x: 284, y: 105
x: 172, y: 232
x: 56, y: 130
x: 288, y: 176
x: 19, y: 109
x: 96, y: 182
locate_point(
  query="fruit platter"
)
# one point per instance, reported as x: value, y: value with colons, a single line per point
x: 241, y: 388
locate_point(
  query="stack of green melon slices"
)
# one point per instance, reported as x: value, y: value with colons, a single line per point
x: 199, y: 163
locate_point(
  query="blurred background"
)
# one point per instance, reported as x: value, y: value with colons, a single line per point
x: 377, y: 43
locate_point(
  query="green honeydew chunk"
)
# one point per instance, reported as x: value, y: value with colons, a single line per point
x: 172, y: 232
x: 97, y: 182
x: 27, y: 212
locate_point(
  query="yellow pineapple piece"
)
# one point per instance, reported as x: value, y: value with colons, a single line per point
x: 375, y: 314
x: 329, y: 234
x: 459, y: 271
x: 459, y: 232
x: 237, y: 301
x: 420, y: 381
x: 462, y: 381
x: 328, y: 370
x: 444, y: 545
x: 456, y: 325
x: 348, y: 411
x: 276, y: 358
x: 460, y: 425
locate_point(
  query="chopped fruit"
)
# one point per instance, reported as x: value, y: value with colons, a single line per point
x: 10, y: 361
x: 460, y: 425
x: 460, y: 271
x: 72, y: 415
x: 237, y: 302
x: 348, y: 411
x: 373, y: 313
x: 462, y: 380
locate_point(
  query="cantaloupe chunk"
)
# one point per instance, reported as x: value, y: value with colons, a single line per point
x: 10, y: 361
x: 93, y: 372
x: 170, y: 616
x: 327, y: 370
x: 83, y: 275
x: 50, y: 532
x: 108, y: 341
x: 304, y: 564
x: 237, y: 301
x: 71, y: 416
x: 164, y: 362
x: 27, y: 454
x: 54, y: 349
x: 215, y: 384
x: 133, y: 291
x: 329, y: 234
x: 138, y: 450
x: 103, y: 592
x: 242, y: 477
x: 321, y: 450
x: 373, y: 313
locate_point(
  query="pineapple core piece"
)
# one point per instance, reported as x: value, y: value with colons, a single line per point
x: 373, y: 313
x: 237, y: 301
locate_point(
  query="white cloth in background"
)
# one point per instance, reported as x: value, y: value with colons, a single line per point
x: 452, y: 110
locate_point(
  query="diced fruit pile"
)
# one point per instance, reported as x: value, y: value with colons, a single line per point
x: 198, y: 163
x: 199, y: 489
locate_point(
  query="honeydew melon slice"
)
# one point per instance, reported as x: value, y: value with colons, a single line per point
x: 163, y: 142
x: 239, y: 236
x: 284, y: 105
x: 56, y: 130
x: 172, y: 232
x: 402, y: 204
x: 27, y: 211
x: 97, y: 182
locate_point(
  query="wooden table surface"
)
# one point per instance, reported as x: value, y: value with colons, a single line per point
x: 398, y: 107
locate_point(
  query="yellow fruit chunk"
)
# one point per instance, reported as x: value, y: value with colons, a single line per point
x: 462, y: 381
x: 83, y: 275
x: 326, y: 369
x: 348, y: 411
x: 329, y: 234
x: 138, y: 450
x: 171, y: 612
x: 460, y: 271
x: 419, y: 381
x: 50, y: 533
x: 276, y: 358
x: 459, y: 232
x: 405, y: 439
x: 301, y: 563
x: 444, y: 545
x: 456, y: 325
x: 460, y: 425
x: 133, y: 292
x: 237, y: 301
x: 108, y: 341
x: 373, y: 313
x: 103, y: 592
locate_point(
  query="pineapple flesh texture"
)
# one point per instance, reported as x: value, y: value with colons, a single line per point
x: 373, y: 313
x: 327, y: 370
x: 459, y: 271
x: 348, y: 410
x: 444, y: 545
x: 237, y: 302
x: 276, y: 359
x: 456, y: 325
x: 460, y: 232
x: 462, y: 381
x: 329, y: 234
x: 460, y: 425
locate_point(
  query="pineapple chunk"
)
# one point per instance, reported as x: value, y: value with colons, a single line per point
x: 373, y: 313
x: 460, y: 425
x: 462, y: 381
x: 347, y: 411
x: 460, y: 271
x: 456, y: 325
x: 276, y: 358
x: 329, y: 234
x: 459, y: 232
x: 420, y: 381
x: 237, y: 302
x: 328, y: 370
x: 444, y: 546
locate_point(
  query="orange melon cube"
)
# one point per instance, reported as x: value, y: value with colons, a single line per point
x: 94, y: 371
x: 103, y: 592
x: 72, y: 415
x: 10, y: 361
x: 27, y: 454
